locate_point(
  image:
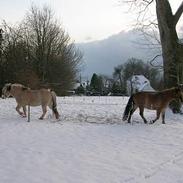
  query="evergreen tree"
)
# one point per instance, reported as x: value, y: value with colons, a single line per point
x: 96, y: 83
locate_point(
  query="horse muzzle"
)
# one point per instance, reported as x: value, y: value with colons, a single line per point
x: 3, y: 97
x: 181, y: 97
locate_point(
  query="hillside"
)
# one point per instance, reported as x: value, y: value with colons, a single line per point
x: 102, y: 56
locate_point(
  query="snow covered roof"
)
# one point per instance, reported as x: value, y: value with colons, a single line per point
x: 138, y: 83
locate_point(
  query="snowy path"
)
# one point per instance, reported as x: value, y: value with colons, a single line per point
x: 89, y: 145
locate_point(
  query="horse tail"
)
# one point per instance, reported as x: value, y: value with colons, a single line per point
x: 54, y: 104
x: 128, y: 108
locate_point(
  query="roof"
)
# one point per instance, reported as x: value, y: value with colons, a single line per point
x: 139, y: 83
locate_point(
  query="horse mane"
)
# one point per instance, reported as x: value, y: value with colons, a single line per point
x: 21, y: 86
x: 170, y: 90
x: 25, y: 88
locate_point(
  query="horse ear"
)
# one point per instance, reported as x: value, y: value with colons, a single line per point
x: 180, y: 86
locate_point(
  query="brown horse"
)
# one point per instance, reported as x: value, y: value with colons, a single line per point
x: 151, y: 100
x: 26, y: 97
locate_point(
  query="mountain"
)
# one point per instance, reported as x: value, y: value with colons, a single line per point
x: 102, y: 56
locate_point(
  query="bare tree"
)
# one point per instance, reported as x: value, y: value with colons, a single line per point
x: 48, y: 40
x: 39, y: 52
x: 118, y: 74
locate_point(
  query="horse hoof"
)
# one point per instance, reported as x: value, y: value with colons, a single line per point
x: 151, y: 122
x: 41, y: 118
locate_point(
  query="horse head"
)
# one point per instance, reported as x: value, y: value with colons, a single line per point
x: 181, y: 87
x: 6, y: 90
x: 179, y: 92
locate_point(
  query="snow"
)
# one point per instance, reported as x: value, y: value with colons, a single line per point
x: 90, y: 144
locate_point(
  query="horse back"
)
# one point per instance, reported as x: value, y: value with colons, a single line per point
x: 36, y: 97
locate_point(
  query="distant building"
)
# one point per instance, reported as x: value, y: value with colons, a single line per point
x: 84, y: 84
x: 138, y: 83
x: 108, y: 83
x: 76, y: 85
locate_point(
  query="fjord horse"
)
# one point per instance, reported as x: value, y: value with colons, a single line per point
x: 151, y: 100
x: 26, y: 97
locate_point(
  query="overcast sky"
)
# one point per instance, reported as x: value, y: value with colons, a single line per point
x: 84, y: 20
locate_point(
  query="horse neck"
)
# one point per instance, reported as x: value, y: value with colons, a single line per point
x: 16, y: 93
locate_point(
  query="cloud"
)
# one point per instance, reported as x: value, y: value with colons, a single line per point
x: 88, y: 38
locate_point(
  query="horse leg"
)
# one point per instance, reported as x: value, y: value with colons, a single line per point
x: 54, y: 111
x: 142, y: 114
x: 50, y: 106
x: 157, y: 116
x: 131, y: 112
x: 44, y: 108
x: 18, y: 109
x: 163, y: 117
x: 24, y: 111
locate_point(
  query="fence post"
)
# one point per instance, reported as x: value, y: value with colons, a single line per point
x: 28, y: 113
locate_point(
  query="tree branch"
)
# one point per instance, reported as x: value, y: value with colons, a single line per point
x: 152, y: 60
x: 178, y: 13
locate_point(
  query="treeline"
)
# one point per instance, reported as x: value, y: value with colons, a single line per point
x: 117, y: 84
x: 134, y: 66
x: 38, y: 52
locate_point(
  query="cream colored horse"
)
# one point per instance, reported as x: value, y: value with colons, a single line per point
x: 26, y: 97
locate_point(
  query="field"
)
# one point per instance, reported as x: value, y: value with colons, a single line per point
x: 90, y: 144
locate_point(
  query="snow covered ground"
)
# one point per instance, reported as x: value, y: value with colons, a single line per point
x: 90, y: 144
